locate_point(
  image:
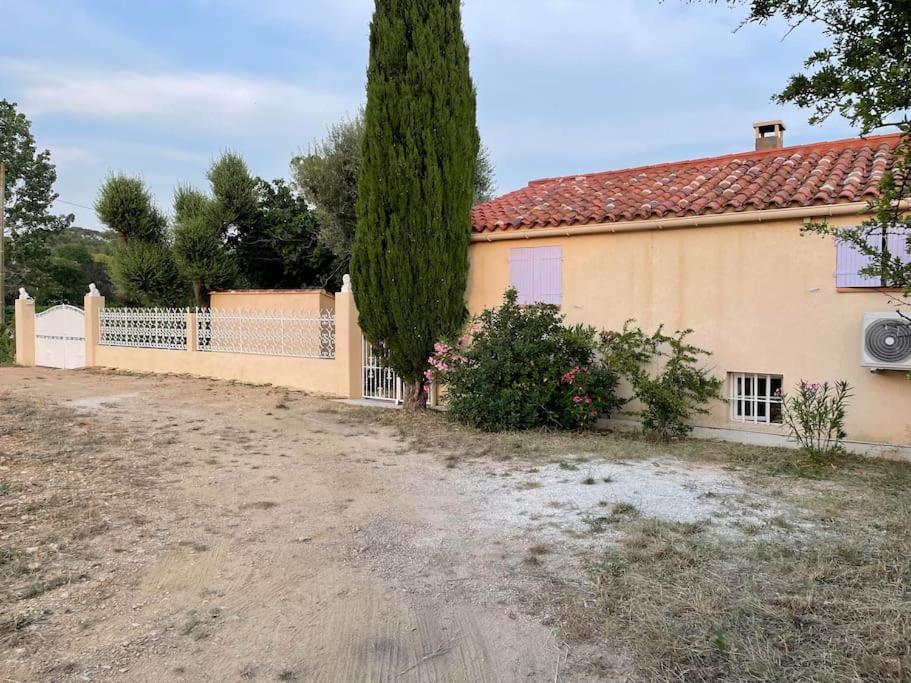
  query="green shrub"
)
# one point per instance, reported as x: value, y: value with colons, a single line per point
x: 815, y: 416
x: 146, y: 274
x: 523, y: 368
x: 7, y: 346
x: 678, y: 387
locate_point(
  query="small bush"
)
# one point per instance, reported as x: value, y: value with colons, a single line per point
x: 679, y: 388
x: 815, y: 416
x: 7, y: 346
x: 523, y: 368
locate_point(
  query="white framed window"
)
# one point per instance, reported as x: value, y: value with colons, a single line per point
x: 755, y: 398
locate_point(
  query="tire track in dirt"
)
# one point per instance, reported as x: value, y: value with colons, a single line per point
x: 298, y: 546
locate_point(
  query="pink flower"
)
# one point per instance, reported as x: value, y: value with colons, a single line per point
x: 577, y: 399
x: 587, y: 399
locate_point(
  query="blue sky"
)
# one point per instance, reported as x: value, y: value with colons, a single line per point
x: 160, y: 88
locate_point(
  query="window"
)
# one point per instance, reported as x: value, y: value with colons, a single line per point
x: 755, y: 398
x: 849, y: 261
x: 536, y: 273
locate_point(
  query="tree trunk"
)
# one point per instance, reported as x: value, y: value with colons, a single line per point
x: 414, y: 395
x: 197, y: 293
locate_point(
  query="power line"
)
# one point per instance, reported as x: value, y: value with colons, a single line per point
x: 81, y: 206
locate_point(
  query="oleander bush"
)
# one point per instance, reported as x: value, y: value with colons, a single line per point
x: 815, y: 416
x: 522, y: 367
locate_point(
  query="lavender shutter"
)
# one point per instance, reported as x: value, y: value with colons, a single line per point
x: 521, y: 273
x: 897, y: 242
x: 548, y: 275
x: 849, y: 261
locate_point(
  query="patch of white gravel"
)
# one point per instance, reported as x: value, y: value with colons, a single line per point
x: 100, y: 402
x: 555, y: 501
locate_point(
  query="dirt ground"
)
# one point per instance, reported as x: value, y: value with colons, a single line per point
x: 246, y: 533
x: 169, y: 528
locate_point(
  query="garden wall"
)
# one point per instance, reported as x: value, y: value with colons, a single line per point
x: 307, y: 340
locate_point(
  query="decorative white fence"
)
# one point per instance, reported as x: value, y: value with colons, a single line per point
x: 269, y: 333
x: 306, y: 340
x: 381, y: 383
x: 145, y: 328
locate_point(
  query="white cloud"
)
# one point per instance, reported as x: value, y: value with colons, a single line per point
x: 562, y: 30
x: 342, y: 18
x: 195, y: 99
x: 70, y: 154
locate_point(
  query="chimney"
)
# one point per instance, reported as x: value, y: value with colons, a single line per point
x: 769, y: 134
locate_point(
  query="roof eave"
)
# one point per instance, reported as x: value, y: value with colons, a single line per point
x: 708, y: 220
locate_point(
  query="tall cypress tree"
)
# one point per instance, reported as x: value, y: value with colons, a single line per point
x: 410, y: 256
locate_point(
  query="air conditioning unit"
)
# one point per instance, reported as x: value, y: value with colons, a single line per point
x: 886, y: 342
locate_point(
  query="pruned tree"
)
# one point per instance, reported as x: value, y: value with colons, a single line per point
x: 234, y: 192
x: 199, y: 247
x: 143, y: 265
x: 125, y: 205
x: 410, y: 256
x: 146, y: 274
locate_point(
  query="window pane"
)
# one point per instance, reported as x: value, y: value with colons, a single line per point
x: 775, y: 413
x: 776, y: 385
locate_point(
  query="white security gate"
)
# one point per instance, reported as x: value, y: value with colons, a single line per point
x: 60, y: 337
x: 380, y: 383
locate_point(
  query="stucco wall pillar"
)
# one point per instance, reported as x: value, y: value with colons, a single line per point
x: 192, y: 332
x: 25, y: 332
x: 348, y: 346
x: 92, y: 305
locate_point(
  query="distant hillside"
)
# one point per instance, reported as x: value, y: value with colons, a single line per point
x: 95, y: 241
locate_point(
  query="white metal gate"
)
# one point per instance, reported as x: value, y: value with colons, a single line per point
x: 380, y: 383
x: 60, y: 337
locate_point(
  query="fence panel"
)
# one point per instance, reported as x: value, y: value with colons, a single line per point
x: 381, y: 383
x: 144, y: 328
x: 269, y: 333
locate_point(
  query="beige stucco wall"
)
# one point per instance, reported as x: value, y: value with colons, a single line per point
x: 317, y: 375
x: 759, y: 295
x: 25, y: 332
x: 311, y: 300
x: 339, y: 376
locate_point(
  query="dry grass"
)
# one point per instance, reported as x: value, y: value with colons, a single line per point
x: 433, y: 432
x: 63, y: 485
x: 829, y: 603
x: 689, y: 604
x: 686, y: 602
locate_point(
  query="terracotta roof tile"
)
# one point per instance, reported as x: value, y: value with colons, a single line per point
x: 800, y: 176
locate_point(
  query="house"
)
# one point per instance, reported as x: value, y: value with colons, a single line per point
x: 714, y: 244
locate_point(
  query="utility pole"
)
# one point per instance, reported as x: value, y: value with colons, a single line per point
x: 2, y: 245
